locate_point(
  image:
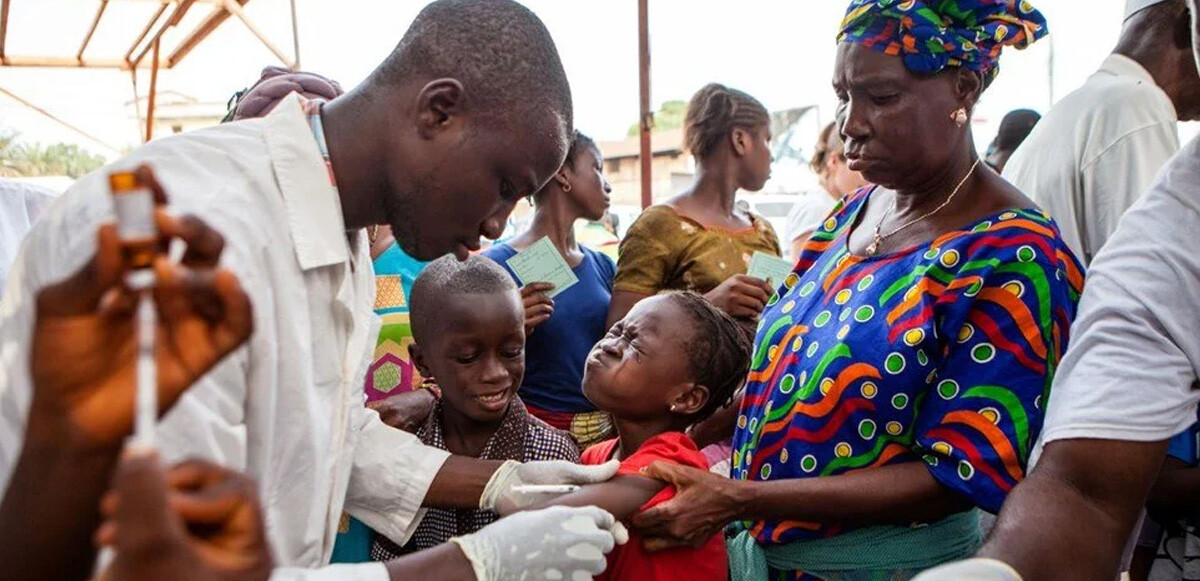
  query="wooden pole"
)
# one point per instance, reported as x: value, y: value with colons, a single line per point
x: 295, y: 38
x: 646, y: 116
x: 236, y: 9
x: 3, y: 26
x: 91, y: 31
x: 137, y: 104
x: 145, y: 31
x: 153, y: 92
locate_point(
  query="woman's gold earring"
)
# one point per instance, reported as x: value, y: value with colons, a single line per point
x: 566, y: 188
x: 960, y: 117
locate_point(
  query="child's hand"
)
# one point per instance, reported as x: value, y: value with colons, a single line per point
x: 83, y: 356
x: 538, y: 306
x: 406, y: 411
x: 741, y: 296
x: 199, y: 522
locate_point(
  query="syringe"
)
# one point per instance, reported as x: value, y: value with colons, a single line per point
x: 147, y: 373
x: 134, y: 205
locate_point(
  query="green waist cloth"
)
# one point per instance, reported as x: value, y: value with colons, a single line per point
x: 883, y: 552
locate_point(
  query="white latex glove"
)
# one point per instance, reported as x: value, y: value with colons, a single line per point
x: 499, y: 496
x: 972, y: 570
x: 554, y: 543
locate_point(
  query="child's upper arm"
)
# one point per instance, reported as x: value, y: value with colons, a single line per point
x: 622, y: 496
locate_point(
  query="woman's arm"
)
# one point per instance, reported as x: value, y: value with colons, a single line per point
x: 898, y: 494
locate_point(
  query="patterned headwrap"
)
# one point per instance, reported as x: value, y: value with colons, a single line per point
x: 933, y: 35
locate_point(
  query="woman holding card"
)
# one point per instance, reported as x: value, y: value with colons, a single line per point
x: 701, y: 240
x: 562, y: 330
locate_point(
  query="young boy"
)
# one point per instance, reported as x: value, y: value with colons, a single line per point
x: 468, y: 328
x: 670, y: 363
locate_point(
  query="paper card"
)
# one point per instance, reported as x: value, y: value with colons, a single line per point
x: 542, y: 262
x: 769, y: 268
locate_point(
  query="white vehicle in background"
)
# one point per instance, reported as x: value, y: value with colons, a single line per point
x: 773, y: 207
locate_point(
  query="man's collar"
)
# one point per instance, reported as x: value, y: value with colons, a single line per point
x: 314, y: 209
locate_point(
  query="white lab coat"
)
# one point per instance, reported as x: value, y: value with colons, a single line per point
x: 1096, y: 152
x: 21, y: 205
x: 288, y: 408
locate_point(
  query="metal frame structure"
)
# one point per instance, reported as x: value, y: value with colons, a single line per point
x: 148, y: 43
x: 646, y: 116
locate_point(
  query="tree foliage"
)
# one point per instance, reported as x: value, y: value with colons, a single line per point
x: 37, y: 159
x: 670, y: 116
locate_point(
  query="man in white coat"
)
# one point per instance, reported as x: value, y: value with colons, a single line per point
x: 470, y: 113
x: 1099, y: 148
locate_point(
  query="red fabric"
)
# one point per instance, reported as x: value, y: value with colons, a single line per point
x: 631, y: 562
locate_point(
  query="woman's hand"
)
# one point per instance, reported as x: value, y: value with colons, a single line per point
x: 407, y: 411
x: 538, y: 306
x: 704, y: 503
x: 741, y: 296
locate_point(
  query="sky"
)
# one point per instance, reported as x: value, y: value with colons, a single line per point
x: 781, y: 51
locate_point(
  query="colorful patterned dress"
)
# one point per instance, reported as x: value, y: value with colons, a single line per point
x: 942, y: 353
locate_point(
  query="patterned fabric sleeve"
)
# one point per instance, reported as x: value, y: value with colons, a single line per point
x: 1005, y: 319
x: 547, y: 443
x: 646, y: 264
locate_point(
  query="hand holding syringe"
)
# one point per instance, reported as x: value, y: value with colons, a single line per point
x: 85, y: 335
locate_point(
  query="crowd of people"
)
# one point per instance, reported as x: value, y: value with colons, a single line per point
x: 350, y: 388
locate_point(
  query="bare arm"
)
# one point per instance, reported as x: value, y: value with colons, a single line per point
x: 445, y: 561
x: 460, y: 482
x: 1099, y: 486
x: 622, y: 496
x: 899, y: 494
x: 52, y: 506
x: 1177, y: 490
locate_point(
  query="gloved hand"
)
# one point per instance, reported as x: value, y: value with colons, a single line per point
x: 555, y: 543
x: 499, y: 496
x: 972, y: 570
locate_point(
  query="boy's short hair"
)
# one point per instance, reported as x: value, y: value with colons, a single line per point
x: 499, y: 49
x: 446, y: 277
x: 718, y: 351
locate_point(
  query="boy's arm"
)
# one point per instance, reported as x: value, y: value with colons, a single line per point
x: 622, y: 496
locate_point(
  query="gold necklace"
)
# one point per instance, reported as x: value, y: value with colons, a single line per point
x: 873, y: 248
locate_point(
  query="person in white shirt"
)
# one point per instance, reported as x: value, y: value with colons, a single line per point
x: 1100, y: 147
x: 1130, y: 381
x: 21, y: 205
x: 469, y: 114
x: 836, y: 180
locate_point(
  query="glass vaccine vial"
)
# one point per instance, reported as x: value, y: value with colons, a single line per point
x: 134, y: 205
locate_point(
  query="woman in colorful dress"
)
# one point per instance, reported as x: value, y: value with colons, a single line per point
x: 900, y: 376
x: 701, y: 240
x: 562, y: 331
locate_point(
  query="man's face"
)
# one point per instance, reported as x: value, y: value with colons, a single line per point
x: 463, y: 183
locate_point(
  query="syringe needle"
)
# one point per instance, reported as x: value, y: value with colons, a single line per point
x: 147, y: 373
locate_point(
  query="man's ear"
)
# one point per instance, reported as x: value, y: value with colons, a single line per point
x: 691, y: 400
x: 418, y: 359
x: 440, y: 106
x: 740, y: 139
